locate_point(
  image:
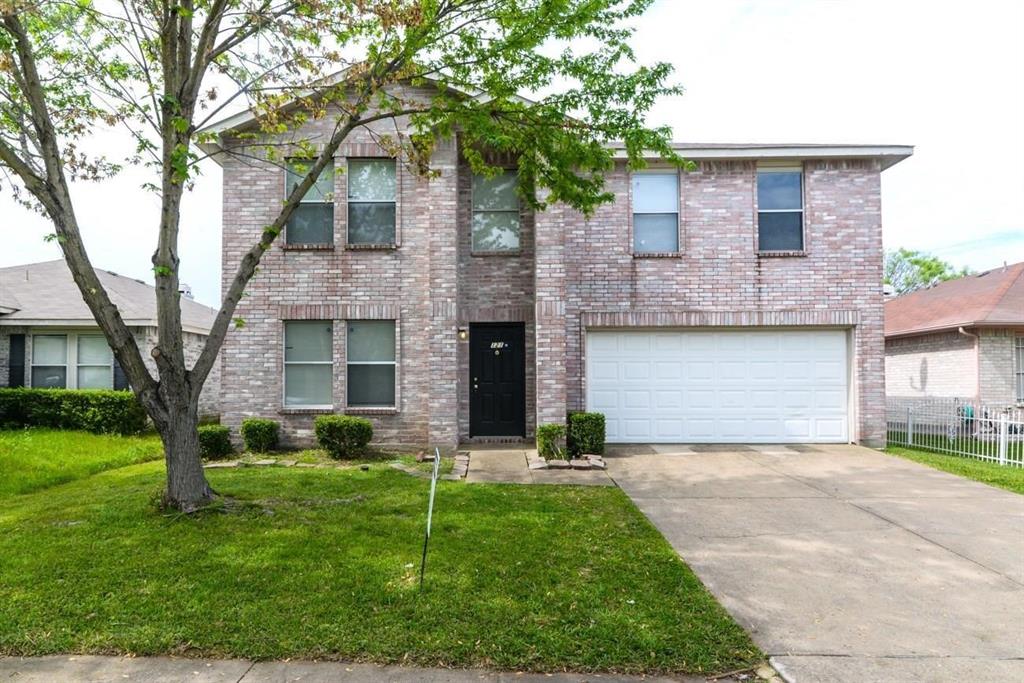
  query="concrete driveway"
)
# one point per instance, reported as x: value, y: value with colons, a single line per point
x: 845, y: 564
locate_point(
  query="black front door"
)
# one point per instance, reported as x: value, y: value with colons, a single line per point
x: 497, y: 379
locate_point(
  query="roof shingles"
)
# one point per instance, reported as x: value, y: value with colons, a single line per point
x: 45, y: 293
x: 992, y: 298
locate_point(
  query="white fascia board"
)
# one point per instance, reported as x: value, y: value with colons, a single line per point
x: 83, y: 323
x: 889, y: 154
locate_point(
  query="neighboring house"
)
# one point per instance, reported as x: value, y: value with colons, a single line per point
x: 738, y: 302
x: 959, y: 339
x: 48, y: 337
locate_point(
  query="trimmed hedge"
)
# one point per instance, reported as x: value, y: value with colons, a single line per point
x: 102, y: 411
x: 343, y: 436
x: 260, y: 435
x: 585, y: 434
x: 215, y: 441
x: 550, y: 440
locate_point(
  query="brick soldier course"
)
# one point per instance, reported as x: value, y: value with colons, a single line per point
x: 569, y: 275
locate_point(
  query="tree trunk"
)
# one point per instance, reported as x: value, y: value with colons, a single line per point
x: 187, y: 489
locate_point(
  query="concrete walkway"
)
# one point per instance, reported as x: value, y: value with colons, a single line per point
x: 94, y: 669
x: 846, y: 564
x: 509, y: 466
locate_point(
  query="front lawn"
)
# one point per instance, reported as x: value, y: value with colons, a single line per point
x: 323, y: 562
x: 1003, y: 476
x: 33, y: 459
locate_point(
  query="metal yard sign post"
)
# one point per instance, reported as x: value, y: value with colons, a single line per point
x: 430, y: 512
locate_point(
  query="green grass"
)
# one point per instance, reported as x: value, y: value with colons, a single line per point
x: 34, y: 459
x: 322, y: 563
x: 1009, y: 478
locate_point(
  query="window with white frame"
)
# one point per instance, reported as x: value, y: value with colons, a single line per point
x: 95, y: 362
x: 371, y: 363
x: 71, y: 361
x: 308, y: 364
x: 1018, y: 349
x: 312, y: 222
x: 495, y: 212
x: 780, y: 209
x: 50, y: 361
x: 371, y: 201
x: 655, y: 212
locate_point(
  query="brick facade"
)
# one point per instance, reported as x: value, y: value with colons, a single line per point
x: 568, y: 273
x: 943, y: 365
x: 996, y: 366
x: 979, y: 365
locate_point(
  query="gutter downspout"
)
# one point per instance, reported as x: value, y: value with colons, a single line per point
x: 977, y: 360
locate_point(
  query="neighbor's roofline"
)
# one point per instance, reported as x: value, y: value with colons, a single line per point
x: 91, y: 323
x: 953, y: 327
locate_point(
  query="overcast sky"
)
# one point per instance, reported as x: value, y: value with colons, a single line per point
x: 945, y: 77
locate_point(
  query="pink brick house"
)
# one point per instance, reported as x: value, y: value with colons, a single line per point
x: 960, y: 339
x: 738, y: 302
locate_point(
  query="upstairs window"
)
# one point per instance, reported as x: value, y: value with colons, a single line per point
x: 495, y: 212
x: 371, y: 363
x: 371, y: 201
x: 308, y: 364
x: 655, y: 213
x: 312, y: 222
x: 780, y: 209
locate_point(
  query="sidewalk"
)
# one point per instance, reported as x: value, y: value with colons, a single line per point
x: 509, y: 465
x: 95, y: 669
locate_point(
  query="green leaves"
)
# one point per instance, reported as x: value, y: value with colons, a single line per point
x: 907, y: 270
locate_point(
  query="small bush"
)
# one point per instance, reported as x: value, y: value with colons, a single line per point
x: 260, y: 435
x: 585, y: 433
x: 343, y: 436
x: 101, y: 411
x: 550, y: 440
x: 215, y: 441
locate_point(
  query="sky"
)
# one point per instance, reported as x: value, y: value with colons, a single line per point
x: 945, y: 77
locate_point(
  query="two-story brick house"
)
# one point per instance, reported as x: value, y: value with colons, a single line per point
x: 738, y: 302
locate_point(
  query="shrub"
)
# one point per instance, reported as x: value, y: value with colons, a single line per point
x: 215, y: 441
x: 585, y: 433
x: 550, y: 440
x: 343, y: 436
x: 260, y: 435
x: 94, y: 410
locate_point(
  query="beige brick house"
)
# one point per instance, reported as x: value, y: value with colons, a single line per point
x: 740, y: 301
x: 959, y: 339
x: 49, y: 339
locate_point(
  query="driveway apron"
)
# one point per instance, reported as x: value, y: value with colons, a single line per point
x: 845, y: 563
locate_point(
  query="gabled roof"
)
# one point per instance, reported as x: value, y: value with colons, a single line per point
x: 44, y: 294
x: 888, y: 155
x: 994, y: 298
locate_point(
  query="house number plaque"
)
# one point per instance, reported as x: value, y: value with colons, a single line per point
x: 497, y: 346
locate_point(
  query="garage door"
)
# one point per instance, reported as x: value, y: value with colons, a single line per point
x: 719, y: 386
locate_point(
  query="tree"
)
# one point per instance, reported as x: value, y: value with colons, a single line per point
x: 163, y: 69
x: 908, y: 271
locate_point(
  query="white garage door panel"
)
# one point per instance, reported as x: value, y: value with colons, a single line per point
x: 719, y: 386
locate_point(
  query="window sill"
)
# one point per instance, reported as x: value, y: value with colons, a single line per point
x: 505, y: 252
x: 305, y: 411
x: 657, y: 254
x: 371, y: 411
x: 308, y: 247
x: 781, y: 254
x: 371, y: 247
